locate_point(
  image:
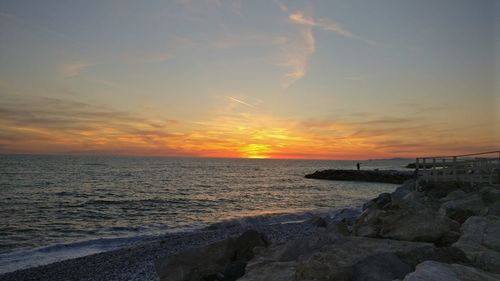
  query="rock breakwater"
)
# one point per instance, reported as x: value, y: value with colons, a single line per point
x: 385, y: 176
x: 442, y: 232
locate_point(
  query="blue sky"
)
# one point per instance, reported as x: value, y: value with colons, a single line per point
x: 384, y: 78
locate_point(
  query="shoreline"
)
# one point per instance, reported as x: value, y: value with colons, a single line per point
x: 438, y: 231
x: 138, y: 259
x: 398, y: 235
x: 108, y: 198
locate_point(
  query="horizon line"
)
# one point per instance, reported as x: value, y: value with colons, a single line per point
x: 201, y: 157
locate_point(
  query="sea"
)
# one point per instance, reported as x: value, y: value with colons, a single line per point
x: 55, y: 207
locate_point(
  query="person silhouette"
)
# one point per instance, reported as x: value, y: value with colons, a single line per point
x: 358, y: 165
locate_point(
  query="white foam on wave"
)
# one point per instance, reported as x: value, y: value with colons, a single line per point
x: 23, y: 259
x: 45, y: 255
x: 286, y: 218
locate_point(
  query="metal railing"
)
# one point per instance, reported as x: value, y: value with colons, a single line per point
x: 468, y: 168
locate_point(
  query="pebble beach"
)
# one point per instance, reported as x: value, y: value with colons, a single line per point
x: 137, y: 263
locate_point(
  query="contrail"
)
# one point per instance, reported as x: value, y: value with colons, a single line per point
x: 240, y: 101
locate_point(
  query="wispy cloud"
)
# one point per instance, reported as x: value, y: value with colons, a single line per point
x: 283, y: 7
x: 39, y: 124
x: 53, y: 125
x: 299, y: 18
x: 295, y: 55
x: 75, y: 68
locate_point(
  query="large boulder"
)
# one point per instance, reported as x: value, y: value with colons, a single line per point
x: 490, y: 194
x: 436, y: 271
x: 454, y: 195
x: 404, y: 220
x: 380, y: 267
x: 401, y: 191
x: 415, y: 198
x: 381, y: 201
x: 368, y: 224
x: 342, y: 227
x: 270, y: 271
x: 224, y: 260
x: 334, y: 257
x: 329, y: 256
x: 438, y: 190
x: 480, y: 241
x: 344, y: 259
x: 292, y: 250
x: 493, y: 209
x: 414, y: 226
x: 317, y: 221
x: 441, y: 254
x: 279, y: 262
x: 462, y: 208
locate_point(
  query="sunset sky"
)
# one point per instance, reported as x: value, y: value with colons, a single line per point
x: 257, y: 79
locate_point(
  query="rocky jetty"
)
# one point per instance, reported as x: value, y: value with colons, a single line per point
x: 385, y: 176
x: 445, y: 231
x: 421, y: 165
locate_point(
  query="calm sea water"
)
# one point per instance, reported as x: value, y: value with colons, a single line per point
x: 49, y: 201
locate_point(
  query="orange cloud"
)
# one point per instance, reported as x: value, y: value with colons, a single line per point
x: 46, y: 125
x: 327, y: 25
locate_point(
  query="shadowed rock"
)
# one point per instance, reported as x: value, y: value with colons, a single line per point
x: 381, y: 201
x: 443, y: 254
x: 454, y: 195
x: 438, y: 190
x: 403, y: 190
x: 330, y: 256
x: 224, y: 260
x: 396, y: 233
x: 317, y: 221
x: 490, y: 194
x: 480, y: 241
x: 404, y: 220
x: 461, y: 209
x: 380, y: 267
x: 338, y: 261
x: 273, y: 271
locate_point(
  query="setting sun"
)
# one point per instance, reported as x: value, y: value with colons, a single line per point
x: 259, y: 151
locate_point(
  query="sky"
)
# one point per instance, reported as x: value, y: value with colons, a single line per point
x: 253, y: 79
